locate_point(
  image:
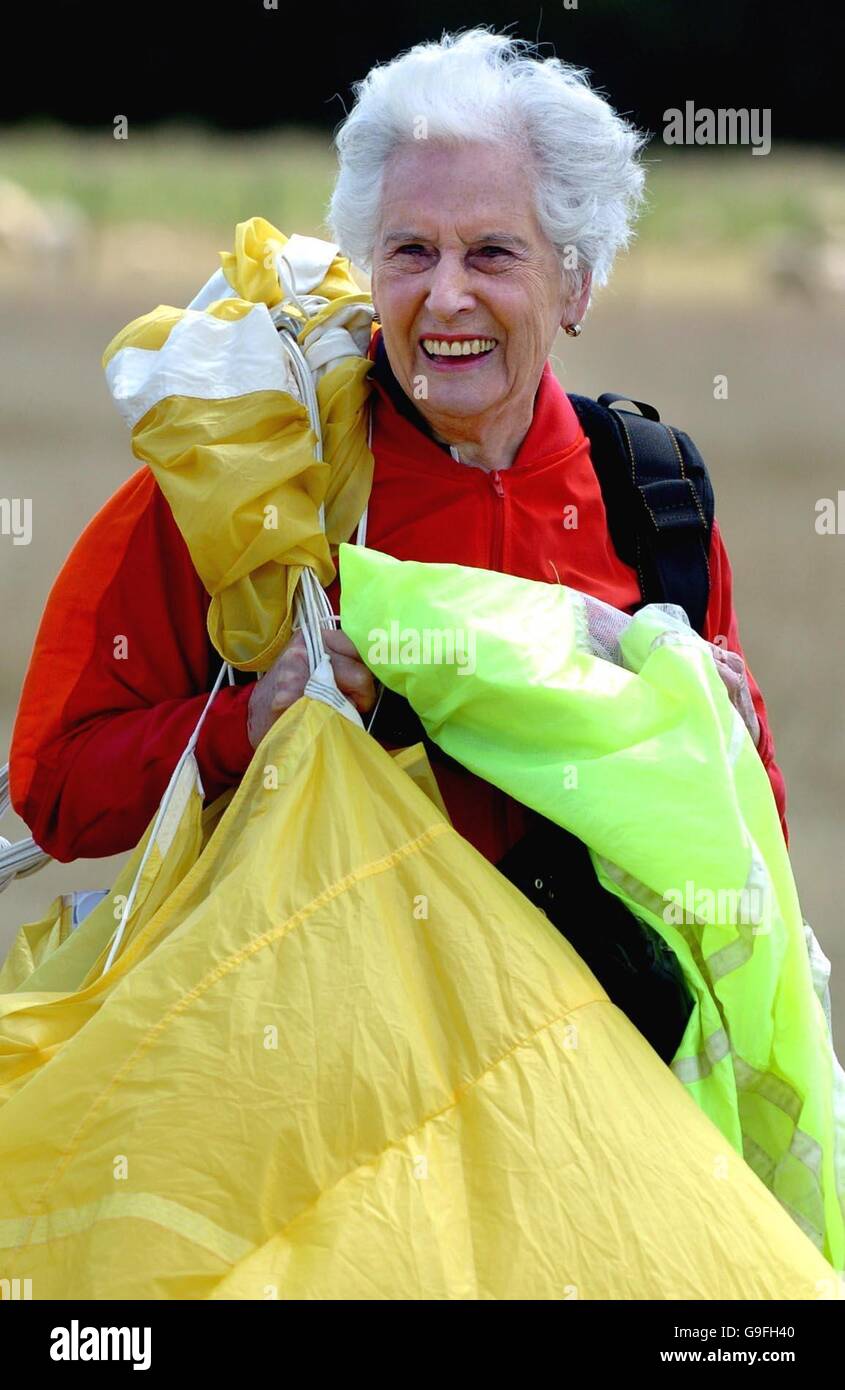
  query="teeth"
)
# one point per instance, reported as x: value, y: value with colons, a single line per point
x: 470, y: 347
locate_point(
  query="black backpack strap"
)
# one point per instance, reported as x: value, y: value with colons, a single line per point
x: 658, y: 498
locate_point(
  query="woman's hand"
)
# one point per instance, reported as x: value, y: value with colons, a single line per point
x: 286, y: 679
x: 731, y: 668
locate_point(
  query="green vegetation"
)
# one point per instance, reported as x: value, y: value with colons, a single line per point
x: 178, y: 176
x: 190, y: 178
x: 710, y: 197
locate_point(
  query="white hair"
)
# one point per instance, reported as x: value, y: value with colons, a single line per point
x: 483, y: 86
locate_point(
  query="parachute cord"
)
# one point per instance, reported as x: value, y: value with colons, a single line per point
x: 161, y: 813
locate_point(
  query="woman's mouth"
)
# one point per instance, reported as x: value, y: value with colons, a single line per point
x: 454, y: 352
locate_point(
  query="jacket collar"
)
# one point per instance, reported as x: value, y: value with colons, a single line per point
x: 554, y: 428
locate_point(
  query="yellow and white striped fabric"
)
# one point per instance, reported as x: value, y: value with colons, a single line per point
x: 216, y: 410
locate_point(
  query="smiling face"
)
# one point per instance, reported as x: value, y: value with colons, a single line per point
x: 469, y: 288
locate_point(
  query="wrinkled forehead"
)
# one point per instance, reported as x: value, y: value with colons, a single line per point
x: 465, y: 192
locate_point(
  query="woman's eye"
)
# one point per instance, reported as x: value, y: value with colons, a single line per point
x: 412, y: 249
x: 488, y: 252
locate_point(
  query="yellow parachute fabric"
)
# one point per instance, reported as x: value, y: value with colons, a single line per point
x: 252, y: 275
x: 339, y: 1056
x: 216, y: 412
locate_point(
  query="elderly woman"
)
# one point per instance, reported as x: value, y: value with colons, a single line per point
x: 488, y: 192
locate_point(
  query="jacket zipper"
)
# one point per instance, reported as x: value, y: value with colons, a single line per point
x: 497, y: 557
x: 496, y: 562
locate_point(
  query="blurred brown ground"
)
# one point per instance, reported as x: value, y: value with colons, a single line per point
x: 774, y: 447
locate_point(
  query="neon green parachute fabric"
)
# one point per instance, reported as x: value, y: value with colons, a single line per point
x: 650, y: 765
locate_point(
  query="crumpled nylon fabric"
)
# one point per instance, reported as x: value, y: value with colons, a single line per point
x: 215, y: 412
x: 654, y: 770
x: 339, y: 1056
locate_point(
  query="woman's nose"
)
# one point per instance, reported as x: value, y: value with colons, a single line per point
x: 449, y: 290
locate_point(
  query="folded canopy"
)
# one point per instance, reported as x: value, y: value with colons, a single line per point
x: 339, y: 1056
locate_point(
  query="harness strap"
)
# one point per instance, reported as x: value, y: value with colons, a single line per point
x: 660, y: 507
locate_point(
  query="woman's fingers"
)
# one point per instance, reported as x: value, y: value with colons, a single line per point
x: 335, y: 640
x: 354, y: 680
x: 285, y: 681
x: 352, y: 676
x: 731, y: 668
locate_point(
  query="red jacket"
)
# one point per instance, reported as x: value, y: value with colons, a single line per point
x: 122, y: 662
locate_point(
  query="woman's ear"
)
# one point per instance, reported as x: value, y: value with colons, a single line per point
x: 576, y: 307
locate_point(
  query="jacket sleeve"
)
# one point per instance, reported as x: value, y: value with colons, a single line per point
x: 721, y: 625
x: 119, y: 675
